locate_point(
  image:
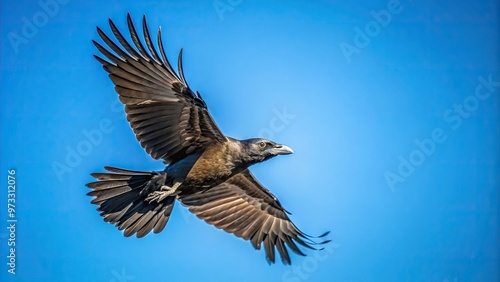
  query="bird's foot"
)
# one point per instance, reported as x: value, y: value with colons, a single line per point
x: 162, y: 194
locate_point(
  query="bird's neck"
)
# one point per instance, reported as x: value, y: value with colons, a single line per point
x: 236, y: 154
x: 240, y: 154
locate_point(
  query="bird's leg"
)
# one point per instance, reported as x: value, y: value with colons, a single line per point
x: 163, y: 193
x: 158, y: 179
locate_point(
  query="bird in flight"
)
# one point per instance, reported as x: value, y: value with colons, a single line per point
x: 206, y: 171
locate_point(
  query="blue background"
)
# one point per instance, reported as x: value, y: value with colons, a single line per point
x: 354, y: 119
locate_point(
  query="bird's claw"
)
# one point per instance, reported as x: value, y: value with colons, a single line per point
x: 161, y: 195
x: 157, y: 196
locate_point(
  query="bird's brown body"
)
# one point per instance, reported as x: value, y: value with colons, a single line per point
x: 214, y: 166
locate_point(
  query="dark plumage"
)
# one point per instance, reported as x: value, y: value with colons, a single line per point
x: 206, y: 171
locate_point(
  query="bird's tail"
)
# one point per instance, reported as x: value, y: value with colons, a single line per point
x: 121, y: 196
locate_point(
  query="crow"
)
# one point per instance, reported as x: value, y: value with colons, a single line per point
x: 206, y: 171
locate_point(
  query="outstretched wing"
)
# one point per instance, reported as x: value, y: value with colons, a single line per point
x: 168, y: 118
x: 242, y: 206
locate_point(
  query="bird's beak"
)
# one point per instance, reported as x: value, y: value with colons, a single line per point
x: 282, y: 150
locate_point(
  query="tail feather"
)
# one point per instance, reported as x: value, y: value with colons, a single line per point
x: 121, y: 195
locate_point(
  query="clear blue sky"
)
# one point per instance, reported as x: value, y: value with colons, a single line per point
x: 391, y: 107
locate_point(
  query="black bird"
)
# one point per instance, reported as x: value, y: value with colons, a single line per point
x: 206, y: 171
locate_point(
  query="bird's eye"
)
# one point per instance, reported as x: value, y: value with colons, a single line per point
x: 262, y: 144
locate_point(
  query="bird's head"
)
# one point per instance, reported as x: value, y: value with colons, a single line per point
x: 258, y: 150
